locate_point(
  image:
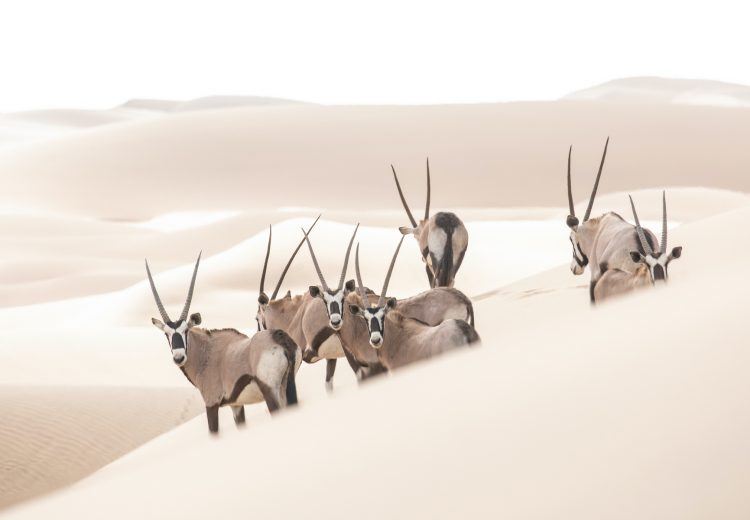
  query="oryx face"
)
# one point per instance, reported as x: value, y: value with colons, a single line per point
x: 177, y: 336
x: 657, y: 263
x: 580, y: 260
x: 334, y: 301
x: 375, y: 319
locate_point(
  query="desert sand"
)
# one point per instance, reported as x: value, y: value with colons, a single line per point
x: 632, y: 409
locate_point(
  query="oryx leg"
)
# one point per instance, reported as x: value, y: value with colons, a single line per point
x: 356, y: 367
x: 271, y: 396
x: 239, y: 414
x: 212, y: 414
x: 330, y: 370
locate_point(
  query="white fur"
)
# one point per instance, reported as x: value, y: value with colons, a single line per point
x: 436, y: 241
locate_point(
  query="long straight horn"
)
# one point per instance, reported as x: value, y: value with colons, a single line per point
x: 360, y: 286
x: 390, y: 270
x: 571, y: 206
x: 186, y: 308
x: 346, y: 260
x: 596, y: 183
x: 289, y: 263
x: 315, y: 263
x: 427, y: 205
x: 664, y: 222
x: 265, y: 263
x: 403, y: 200
x: 641, y: 235
x: 159, y: 305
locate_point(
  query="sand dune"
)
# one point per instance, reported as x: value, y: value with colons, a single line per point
x: 653, y: 90
x: 633, y: 409
x: 494, y: 155
x: 52, y: 435
x: 639, y: 417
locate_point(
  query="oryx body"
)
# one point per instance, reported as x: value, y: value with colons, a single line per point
x: 400, y: 340
x: 431, y: 307
x: 227, y: 367
x: 442, y: 239
x: 649, y: 262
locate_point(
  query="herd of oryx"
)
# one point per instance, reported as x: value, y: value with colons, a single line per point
x: 377, y: 333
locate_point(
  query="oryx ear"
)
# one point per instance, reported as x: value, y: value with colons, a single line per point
x: 195, y: 319
x: 288, y: 295
x: 314, y: 291
x: 391, y: 303
x: 572, y: 222
x: 263, y: 298
x: 676, y: 252
x: 158, y: 324
x: 354, y: 309
x: 635, y: 256
x: 406, y: 230
x: 350, y: 286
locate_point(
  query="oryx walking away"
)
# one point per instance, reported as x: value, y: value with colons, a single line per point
x: 442, y: 239
x: 398, y: 339
x: 227, y: 367
x: 652, y: 266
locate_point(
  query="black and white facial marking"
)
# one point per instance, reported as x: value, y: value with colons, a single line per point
x: 580, y: 260
x: 177, y: 336
x: 334, y: 301
x: 657, y: 263
x: 375, y: 319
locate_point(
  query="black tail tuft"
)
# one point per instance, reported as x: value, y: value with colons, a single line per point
x: 290, y: 351
x: 469, y: 331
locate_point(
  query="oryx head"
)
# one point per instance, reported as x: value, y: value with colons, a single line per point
x: 416, y: 228
x: 580, y: 259
x: 263, y: 299
x: 333, y: 298
x: 374, y: 315
x: 656, y: 261
x: 176, y: 330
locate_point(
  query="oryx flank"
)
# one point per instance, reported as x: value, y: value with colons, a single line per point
x: 431, y: 307
x: 400, y: 340
x: 652, y: 266
x: 227, y: 367
x: 442, y: 239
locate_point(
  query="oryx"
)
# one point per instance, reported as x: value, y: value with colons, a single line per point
x: 303, y: 317
x: 442, y: 239
x: 431, y: 307
x: 652, y: 267
x: 400, y: 340
x: 227, y: 367
x: 325, y: 344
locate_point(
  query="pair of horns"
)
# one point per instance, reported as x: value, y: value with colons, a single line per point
x: 572, y: 220
x: 403, y: 200
x: 160, y: 305
x: 642, y: 234
x: 288, y: 264
x: 317, y: 266
x: 360, y: 285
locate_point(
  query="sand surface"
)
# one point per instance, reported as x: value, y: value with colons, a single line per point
x: 632, y: 409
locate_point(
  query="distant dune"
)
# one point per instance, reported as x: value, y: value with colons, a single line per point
x: 663, y: 90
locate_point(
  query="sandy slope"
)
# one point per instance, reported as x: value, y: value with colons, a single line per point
x: 509, y: 154
x: 640, y: 416
x: 53, y: 435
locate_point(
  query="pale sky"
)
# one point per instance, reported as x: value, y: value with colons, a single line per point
x: 95, y: 54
